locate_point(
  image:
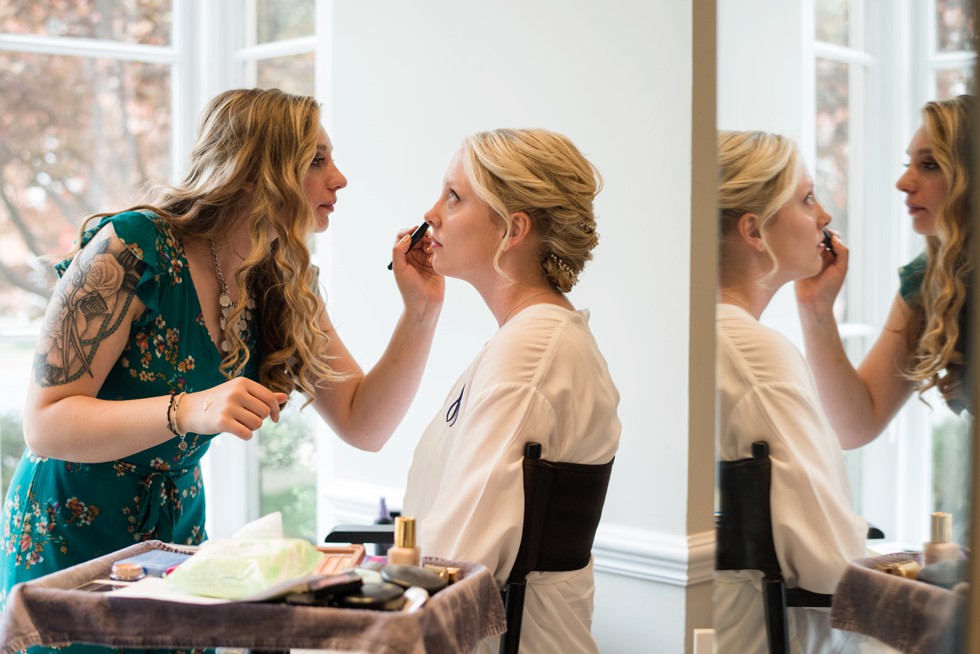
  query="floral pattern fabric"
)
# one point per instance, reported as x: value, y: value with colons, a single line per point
x: 60, y: 513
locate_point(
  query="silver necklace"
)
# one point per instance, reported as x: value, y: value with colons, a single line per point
x: 225, y: 303
x: 736, y: 301
x: 523, y: 302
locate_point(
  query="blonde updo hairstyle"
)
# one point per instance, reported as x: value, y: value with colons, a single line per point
x: 542, y: 174
x: 757, y: 173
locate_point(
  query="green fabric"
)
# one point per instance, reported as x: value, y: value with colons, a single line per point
x: 60, y: 513
x: 910, y: 277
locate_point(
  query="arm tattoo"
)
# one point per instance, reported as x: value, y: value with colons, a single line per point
x: 88, y: 307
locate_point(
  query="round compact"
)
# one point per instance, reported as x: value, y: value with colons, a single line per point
x: 377, y: 597
x: 407, y: 576
x: 127, y: 572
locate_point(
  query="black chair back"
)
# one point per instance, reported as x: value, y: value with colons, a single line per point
x: 562, y: 507
x: 743, y: 529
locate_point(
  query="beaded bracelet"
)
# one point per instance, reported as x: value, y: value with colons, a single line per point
x: 172, y: 409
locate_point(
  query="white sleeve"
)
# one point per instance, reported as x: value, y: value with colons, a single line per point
x: 481, y: 508
x: 815, y: 529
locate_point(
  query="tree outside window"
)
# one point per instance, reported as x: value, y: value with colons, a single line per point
x: 88, y: 129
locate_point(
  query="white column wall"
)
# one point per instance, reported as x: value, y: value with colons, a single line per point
x: 406, y: 81
x: 765, y: 82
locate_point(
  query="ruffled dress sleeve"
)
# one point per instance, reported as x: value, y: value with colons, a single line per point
x: 151, y: 241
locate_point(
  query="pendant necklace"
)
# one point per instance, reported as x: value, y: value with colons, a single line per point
x: 225, y: 303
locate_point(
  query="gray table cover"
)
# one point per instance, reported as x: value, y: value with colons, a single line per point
x: 45, y: 612
x: 908, y: 615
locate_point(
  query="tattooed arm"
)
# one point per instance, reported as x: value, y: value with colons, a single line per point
x: 86, y: 327
x: 85, y: 331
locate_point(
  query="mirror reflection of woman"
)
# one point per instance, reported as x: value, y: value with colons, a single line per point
x: 923, y: 343
x: 771, y: 233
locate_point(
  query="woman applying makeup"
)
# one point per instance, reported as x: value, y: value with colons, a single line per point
x: 924, y: 341
x: 515, y: 220
x: 771, y: 230
x: 196, y: 316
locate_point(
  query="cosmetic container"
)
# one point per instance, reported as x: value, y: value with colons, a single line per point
x: 407, y: 576
x: 384, y: 518
x: 377, y: 597
x: 127, y: 571
x: 940, y: 547
x: 404, y: 551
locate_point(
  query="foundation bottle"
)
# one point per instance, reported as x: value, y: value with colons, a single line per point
x: 940, y: 547
x: 404, y: 552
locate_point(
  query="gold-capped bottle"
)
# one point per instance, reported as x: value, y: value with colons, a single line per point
x: 940, y: 546
x: 404, y: 552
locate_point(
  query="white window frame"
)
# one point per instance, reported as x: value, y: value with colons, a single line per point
x: 892, y: 487
x: 211, y: 50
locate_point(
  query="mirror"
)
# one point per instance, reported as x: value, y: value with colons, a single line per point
x: 847, y: 86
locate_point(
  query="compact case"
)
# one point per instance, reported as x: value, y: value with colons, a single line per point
x: 377, y: 597
x: 407, y: 576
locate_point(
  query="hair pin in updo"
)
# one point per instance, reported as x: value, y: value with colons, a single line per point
x: 561, y: 264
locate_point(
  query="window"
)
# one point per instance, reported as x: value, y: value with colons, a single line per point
x: 860, y: 142
x: 951, y: 63
x: 87, y: 120
x: 278, y: 51
x: 99, y: 99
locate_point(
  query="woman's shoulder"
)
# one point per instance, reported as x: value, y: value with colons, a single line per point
x: 152, y: 241
x: 537, y: 339
x: 143, y: 231
x: 758, y: 352
x: 538, y: 327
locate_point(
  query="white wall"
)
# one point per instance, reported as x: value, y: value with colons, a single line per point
x: 405, y: 82
x: 760, y: 89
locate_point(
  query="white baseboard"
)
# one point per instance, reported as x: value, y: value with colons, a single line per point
x: 666, y: 558
x: 672, y: 559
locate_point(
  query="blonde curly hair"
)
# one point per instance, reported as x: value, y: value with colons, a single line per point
x: 542, y: 174
x: 937, y: 325
x: 253, y: 150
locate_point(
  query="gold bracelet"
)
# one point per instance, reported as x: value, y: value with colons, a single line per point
x: 173, y: 408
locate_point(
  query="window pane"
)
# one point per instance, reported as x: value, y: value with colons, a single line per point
x: 284, y: 19
x: 80, y: 135
x: 833, y: 21
x: 954, y: 25
x: 287, y: 456
x: 950, y: 83
x: 292, y: 74
x: 832, y: 134
x: 130, y: 21
x: 15, y: 371
x: 951, y: 453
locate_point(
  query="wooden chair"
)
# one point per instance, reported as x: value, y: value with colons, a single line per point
x: 562, y: 507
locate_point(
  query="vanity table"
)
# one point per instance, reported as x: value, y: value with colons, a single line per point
x: 45, y: 611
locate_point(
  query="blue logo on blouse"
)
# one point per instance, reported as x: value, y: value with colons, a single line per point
x: 453, y: 411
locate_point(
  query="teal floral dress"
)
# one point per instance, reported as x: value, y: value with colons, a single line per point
x: 60, y: 513
x: 911, y: 277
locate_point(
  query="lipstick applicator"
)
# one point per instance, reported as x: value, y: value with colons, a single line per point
x: 416, y: 237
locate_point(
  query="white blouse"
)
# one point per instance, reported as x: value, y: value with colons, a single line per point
x: 540, y: 378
